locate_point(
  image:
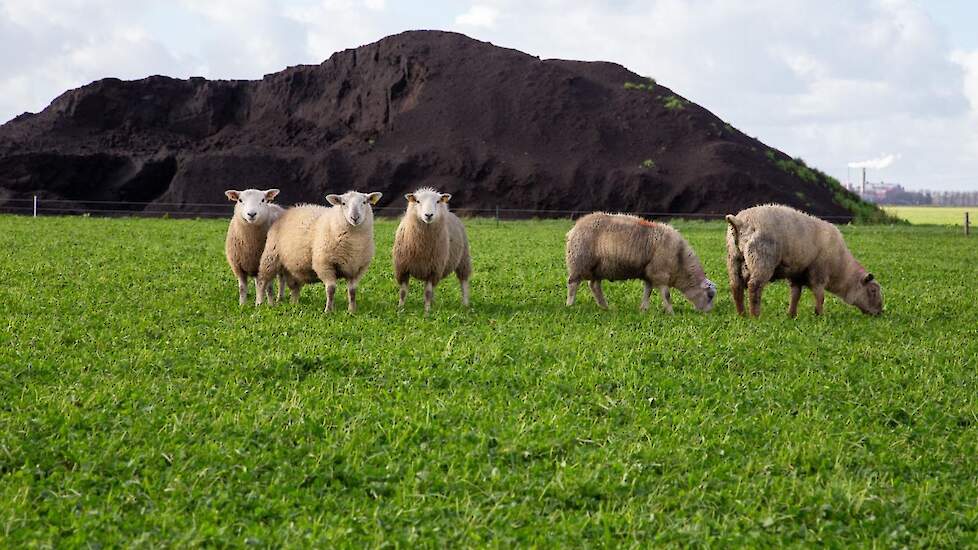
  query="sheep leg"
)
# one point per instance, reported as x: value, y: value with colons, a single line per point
x: 598, y: 293
x: 429, y: 295
x: 819, y: 292
x: 243, y: 288
x: 735, y: 272
x: 738, y: 298
x: 646, y: 296
x: 260, y: 284
x: 793, y: 305
x: 351, y: 295
x: 295, y: 288
x: 402, y: 295
x: 666, y: 299
x: 281, y: 287
x: 755, y: 288
x: 269, y: 291
x: 267, y: 271
x: 572, y: 285
x: 465, y: 292
x: 330, y: 293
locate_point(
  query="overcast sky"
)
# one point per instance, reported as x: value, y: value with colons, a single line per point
x: 831, y: 81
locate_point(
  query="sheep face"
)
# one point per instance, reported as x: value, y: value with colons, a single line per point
x: 702, y: 295
x: 252, y: 204
x: 428, y: 204
x: 357, y: 207
x: 867, y: 295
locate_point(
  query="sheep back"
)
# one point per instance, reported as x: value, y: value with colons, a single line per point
x: 786, y: 241
x: 614, y: 247
x: 341, y: 248
x: 290, y: 242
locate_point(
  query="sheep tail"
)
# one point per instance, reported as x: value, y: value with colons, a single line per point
x: 737, y: 226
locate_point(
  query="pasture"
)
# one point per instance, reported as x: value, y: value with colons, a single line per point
x: 141, y: 406
x: 933, y: 215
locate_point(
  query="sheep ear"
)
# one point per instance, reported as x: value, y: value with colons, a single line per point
x: 445, y: 197
x: 232, y: 194
x: 335, y: 200
x: 271, y: 194
x: 374, y: 197
x: 867, y: 278
x: 410, y: 197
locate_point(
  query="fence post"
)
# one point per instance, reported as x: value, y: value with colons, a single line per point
x: 35, y: 206
x: 497, y: 215
x: 967, y: 222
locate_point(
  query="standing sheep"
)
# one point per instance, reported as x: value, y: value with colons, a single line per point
x: 430, y: 243
x: 254, y: 214
x: 771, y: 242
x: 619, y: 247
x: 313, y: 243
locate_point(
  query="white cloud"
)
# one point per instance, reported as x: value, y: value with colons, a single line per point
x: 829, y: 81
x: 969, y: 64
x: 877, y: 163
x: 479, y: 15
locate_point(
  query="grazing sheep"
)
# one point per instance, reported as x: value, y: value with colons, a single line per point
x: 313, y: 243
x: 771, y: 242
x: 254, y: 214
x: 430, y: 243
x: 619, y: 247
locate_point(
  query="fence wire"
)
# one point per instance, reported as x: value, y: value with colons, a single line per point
x: 64, y: 207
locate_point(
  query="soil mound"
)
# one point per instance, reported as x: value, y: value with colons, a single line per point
x: 493, y: 126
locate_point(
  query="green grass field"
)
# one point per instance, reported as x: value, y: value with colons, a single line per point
x: 140, y: 406
x: 933, y: 215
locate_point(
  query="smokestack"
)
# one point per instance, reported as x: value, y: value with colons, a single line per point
x: 862, y: 188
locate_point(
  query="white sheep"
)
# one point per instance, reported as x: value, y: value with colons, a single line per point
x: 312, y: 243
x: 618, y: 247
x: 430, y: 243
x: 772, y: 241
x: 254, y: 214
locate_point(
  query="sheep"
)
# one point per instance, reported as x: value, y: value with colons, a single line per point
x: 313, y: 243
x: 772, y: 241
x: 430, y: 243
x: 618, y: 247
x: 254, y: 214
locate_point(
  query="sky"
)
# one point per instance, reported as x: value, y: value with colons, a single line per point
x: 888, y: 84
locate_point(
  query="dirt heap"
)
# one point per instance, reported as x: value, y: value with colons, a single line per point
x: 493, y: 126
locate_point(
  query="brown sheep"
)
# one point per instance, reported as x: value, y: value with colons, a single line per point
x: 771, y: 242
x: 619, y: 246
x: 254, y: 214
x: 429, y: 245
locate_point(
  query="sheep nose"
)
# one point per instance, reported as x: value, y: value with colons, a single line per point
x: 428, y: 216
x: 252, y: 214
x: 355, y: 218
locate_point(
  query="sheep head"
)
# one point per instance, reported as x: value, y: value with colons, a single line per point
x: 252, y: 204
x: 866, y: 294
x: 701, y: 295
x: 427, y: 204
x: 357, y: 207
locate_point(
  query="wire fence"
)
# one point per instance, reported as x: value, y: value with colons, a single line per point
x: 37, y: 206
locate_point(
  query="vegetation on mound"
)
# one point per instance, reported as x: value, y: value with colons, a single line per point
x: 648, y: 85
x: 674, y: 103
x: 862, y: 211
